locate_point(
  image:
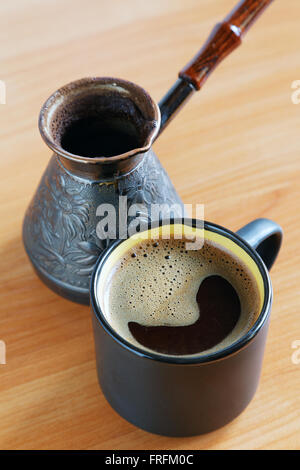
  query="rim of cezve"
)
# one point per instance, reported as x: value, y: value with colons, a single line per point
x: 57, y: 149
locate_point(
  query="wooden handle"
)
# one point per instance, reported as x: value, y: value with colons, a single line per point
x: 224, y: 38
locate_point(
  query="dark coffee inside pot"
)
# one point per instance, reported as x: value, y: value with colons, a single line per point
x: 103, y: 123
x: 99, y: 137
x: 181, y: 302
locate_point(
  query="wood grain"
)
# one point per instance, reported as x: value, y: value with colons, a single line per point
x: 235, y: 147
x: 225, y: 37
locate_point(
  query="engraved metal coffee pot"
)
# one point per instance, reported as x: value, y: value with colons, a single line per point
x: 59, y: 229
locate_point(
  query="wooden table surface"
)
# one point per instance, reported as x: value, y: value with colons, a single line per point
x: 235, y: 147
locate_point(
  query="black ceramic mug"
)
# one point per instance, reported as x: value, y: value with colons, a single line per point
x: 184, y: 396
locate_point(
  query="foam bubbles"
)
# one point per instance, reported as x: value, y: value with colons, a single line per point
x: 159, y: 280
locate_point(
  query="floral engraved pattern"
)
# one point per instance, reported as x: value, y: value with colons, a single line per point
x: 148, y: 184
x: 60, y: 224
x: 64, y: 244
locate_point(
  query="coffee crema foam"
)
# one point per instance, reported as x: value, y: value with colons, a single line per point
x: 155, y: 283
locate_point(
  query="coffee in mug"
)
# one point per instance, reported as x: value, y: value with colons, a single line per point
x: 171, y: 300
x: 180, y: 334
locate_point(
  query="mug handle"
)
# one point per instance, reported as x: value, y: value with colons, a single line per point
x: 265, y: 236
